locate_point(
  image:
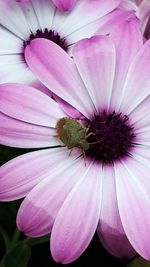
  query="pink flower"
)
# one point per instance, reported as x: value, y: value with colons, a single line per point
x: 21, y: 23
x: 104, y: 186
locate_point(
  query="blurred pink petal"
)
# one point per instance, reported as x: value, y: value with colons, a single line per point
x: 64, y: 5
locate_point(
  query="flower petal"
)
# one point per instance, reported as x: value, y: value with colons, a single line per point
x: 9, y: 43
x: 33, y: 15
x: 142, y: 154
x: 140, y: 118
x: 14, y: 69
x: 17, y: 133
x: 67, y: 108
x: 125, y: 52
x: 30, y: 16
x: 29, y: 105
x: 11, y: 15
x: 58, y: 72
x: 137, y: 84
x: 18, y: 176
x: 45, y: 11
x: 77, y: 219
x: 104, y: 26
x: 40, y: 207
x: 133, y: 190
x: 110, y: 229
x: 95, y: 60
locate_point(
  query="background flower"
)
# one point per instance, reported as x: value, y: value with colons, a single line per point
x: 21, y: 23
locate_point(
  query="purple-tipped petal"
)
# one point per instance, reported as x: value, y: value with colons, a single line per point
x: 58, y: 72
x: 17, y: 133
x: 96, y: 68
x: 40, y: 207
x: 77, y: 219
x: 29, y: 105
x: 137, y: 83
x: 125, y: 52
x: 133, y: 195
x: 18, y: 176
x: 110, y: 229
x: 64, y: 5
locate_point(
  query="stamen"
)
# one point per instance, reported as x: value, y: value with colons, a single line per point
x: 49, y: 35
x: 114, y: 136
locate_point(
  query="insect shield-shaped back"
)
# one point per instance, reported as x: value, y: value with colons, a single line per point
x: 72, y: 133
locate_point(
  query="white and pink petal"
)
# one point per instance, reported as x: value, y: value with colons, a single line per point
x: 77, y: 219
x: 125, y: 53
x: 42, y: 204
x: 58, y: 72
x: 17, y: 133
x: 20, y: 175
x: 95, y: 60
x: 137, y: 83
x: 27, y: 104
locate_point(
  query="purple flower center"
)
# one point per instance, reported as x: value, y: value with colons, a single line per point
x: 50, y: 35
x: 113, y: 137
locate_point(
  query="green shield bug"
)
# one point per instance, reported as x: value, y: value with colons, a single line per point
x: 72, y: 133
